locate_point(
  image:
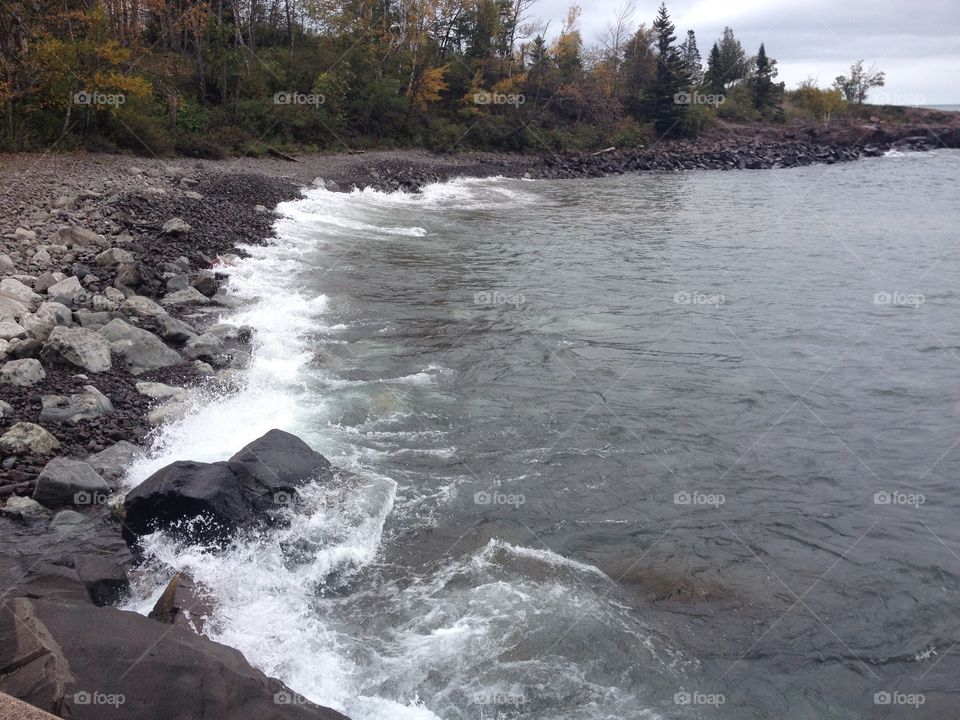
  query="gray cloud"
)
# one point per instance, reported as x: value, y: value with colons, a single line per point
x: 916, y: 44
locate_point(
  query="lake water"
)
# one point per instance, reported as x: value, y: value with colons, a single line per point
x: 671, y: 445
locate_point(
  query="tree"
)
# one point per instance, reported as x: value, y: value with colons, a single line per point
x: 765, y: 92
x: 821, y: 104
x: 713, y: 77
x: 728, y: 63
x: 856, y: 87
x: 668, y: 111
x: 691, y: 58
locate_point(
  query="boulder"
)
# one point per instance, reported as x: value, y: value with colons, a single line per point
x: 143, y: 307
x: 13, y: 288
x: 10, y: 330
x: 78, y: 237
x: 186, y: 297
x: 59, y: 656
x: 7, y: 266
x: 27, y: 439
x: 139, y: 349
x: 226, y: 496
x: 67, y: 292
x: 12, y: 308
x: 172, y: 330
x: 279, y: 462
x: 70, y: 482
x: 24, y: 507
x: 87, y: 405
x: 168, y: 412
x: 176, y: 227
x: 47, y: 279
x: 113, y: 462
x: 74, y: 558
x: 206, y: 283
x: 114, y: 256
x: 79, y: 347
x: 22, y: 373
x: 182, y: 603
x: 159, y: 391
x: 6, y: 409
x: 25, y: 235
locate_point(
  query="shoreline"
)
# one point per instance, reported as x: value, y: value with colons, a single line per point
x: 106, y: 214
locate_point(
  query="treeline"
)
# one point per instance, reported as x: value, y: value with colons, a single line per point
x: 214, y: 77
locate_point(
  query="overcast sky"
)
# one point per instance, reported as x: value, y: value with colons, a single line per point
x: 916, y: 42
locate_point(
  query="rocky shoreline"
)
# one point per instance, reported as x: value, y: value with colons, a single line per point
x: 111, y: 294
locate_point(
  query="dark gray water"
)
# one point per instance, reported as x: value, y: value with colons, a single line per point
x: 677, y: 446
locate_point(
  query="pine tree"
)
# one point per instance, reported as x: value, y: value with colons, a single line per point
x: 691, y: 58
x: 762, y: 80
x: 672, y: 82
x: 714, y: 75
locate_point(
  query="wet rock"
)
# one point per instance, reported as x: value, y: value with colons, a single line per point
x: 182, y: 603
x: 139, y: 349
x: 172, y: 330
x: 228, y: 495
x: 69, y: 482
x: 206, y: 284
x: 22, y: 373
x: 88, y: 405
x: 79, y: 347
x: 185, y: 675
x: 112, y: 463
x: 168, y: 412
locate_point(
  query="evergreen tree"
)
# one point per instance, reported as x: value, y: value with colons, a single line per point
x: 766, y: 93
x: 713, y: 77
x: 671, y: 83
x: 691, y: 58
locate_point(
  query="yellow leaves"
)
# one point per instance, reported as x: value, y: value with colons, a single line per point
x: 429, y: 87
x: 130, y: 85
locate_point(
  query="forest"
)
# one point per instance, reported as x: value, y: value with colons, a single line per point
x: 215, y: 78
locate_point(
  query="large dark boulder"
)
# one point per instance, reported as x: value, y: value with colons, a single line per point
x: 203, y: 501
x: 209, y: 502
x: 279, y: 463
x: 71, y: 558
x: 86, y: 663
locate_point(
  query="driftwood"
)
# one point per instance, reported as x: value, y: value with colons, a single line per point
x: 601, y: 152
x: 282, y: 155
